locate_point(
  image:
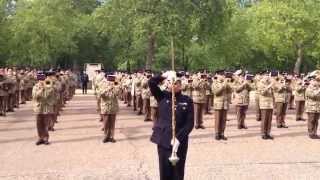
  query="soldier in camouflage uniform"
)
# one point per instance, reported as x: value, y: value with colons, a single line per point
x: 154, y: 109
x: 290, y: 93
x: 313, y: 107
x: 186, y: 86
x: 282, y: 91
x: 256, y: 97
x: 145, y: 94
x: 11, y: 80
x: 22, y: 87
x: 221, y: 89
x: 17, y: 89
x: 199, y: 86
x: 56, y: 86
x: 3, y: 94
x: 127, y: 87
x: 138, y: 91
x: 29, y: 85
x: 265, y: 92
x: 109, y: 107
x: 98, y: 79
x: 299, y: 96
x: 242, y: 88
x: 43, y: 95
x: 209, y: 95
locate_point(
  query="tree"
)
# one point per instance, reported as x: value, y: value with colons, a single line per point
x: 41, y: 30
x: 3, y: 31
x: 285, y: 29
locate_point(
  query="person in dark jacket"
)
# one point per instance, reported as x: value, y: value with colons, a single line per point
x: 162, y: 130
x: 84, y: 82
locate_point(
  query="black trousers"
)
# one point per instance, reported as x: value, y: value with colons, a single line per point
x: 167, y: 171
x: 84, y: 88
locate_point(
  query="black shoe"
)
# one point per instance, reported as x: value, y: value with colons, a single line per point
x: 279, y: 126
x: 284, y: 126
x: 244, y: 127
x: 201, y: 127
x: 113, y: 140
x: 196, y: 127
x: 139, y: 113
x: 264, y: 137
x: 258, y: 119
x: 46, y: 143
x: 105, y: 140
x: 301, y: 119
x: 39, y: 142
x: 269, y: 137
x: 208, y: 113
x: 314, y: 136
x: 218, y: 138
x: 223, y: 137
x: 147, y: 120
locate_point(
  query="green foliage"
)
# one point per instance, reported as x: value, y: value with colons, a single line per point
x: 2, y: 32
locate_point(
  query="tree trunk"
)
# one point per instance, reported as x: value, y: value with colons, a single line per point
x: 299, y: 61
x: 183, y: 56
x: 128, y: 66
x: 151, y: 50
x: 186, y: 65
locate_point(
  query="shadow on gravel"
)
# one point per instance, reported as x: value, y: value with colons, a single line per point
x: 17, y: 129
x: 18, y: 140
x: 249, y: 135
x: 293, y: 134
x: 79, y: 127
x: 98, y: 137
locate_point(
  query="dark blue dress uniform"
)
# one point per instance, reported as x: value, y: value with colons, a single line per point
x: 162, y: 130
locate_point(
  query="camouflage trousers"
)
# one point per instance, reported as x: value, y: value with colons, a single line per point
x: 109, y: 122
x: 3, y: 105
x: 23, y: 96
x: 43, y: 126
x: 10, y: 102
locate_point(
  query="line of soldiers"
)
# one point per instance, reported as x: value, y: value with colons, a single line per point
x: 15, y: 88
x: 50, y: 94
x: 106, y: 90
x: 275, y: 92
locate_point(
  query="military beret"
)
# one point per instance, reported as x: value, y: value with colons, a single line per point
x: 41, y: 76
x: 203, y: 76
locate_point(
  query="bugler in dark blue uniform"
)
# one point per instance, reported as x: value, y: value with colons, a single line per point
x: 162, y: 130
